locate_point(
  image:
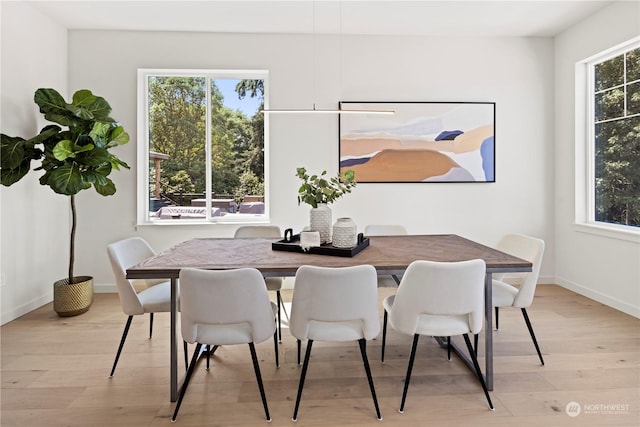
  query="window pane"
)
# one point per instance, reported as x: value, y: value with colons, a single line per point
x: 609, y: 104
x: 617, y: 172
x: 237, y: 139
x: 609, y: 73
x: 176, y: 139
x: 206, y: 145
x: 633, y: 65
x: 633, y: 98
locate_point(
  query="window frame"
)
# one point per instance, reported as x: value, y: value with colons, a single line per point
x: 142, y: 195
x: 585, y: 148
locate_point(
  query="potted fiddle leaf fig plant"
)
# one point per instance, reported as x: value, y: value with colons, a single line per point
x: 318, y: 191
x: 74, y: 157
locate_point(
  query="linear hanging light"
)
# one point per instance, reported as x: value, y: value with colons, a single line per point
x: 324, y: 111
x: 314, y: 110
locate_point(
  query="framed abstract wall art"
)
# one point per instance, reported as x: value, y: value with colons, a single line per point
x: 420, y: 142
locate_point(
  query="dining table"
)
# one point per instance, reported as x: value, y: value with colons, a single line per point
x: 390, y: 255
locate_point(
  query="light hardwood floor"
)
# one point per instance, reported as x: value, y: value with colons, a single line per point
x: 55, y: 373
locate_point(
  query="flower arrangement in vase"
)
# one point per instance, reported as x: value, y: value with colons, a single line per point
x: 318, y: 191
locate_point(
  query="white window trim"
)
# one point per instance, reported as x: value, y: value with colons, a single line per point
x: 142, y: 176
x: 584, y: 148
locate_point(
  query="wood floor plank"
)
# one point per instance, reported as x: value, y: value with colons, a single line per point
x: 592, y: 355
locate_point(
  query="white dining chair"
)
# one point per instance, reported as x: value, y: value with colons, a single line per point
x: 225, y: 307
x: 440, y: 299
x: 385, y: 230
x: 273, y: 283
x: 154, y: 298
x: 505, y: 294
x: 335, y: 304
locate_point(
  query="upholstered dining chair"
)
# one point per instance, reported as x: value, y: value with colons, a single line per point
x: 273, y: 283
x: 505, y: 294
x: 385, y: 230
x: 335, y: 304
x: 440, y: 299
x: 154, y: 298
x: 225, y: 307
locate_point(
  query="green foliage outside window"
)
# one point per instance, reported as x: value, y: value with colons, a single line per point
x: 177, y: 128
x: 617, y: 139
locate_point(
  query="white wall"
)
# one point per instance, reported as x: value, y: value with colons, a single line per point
x: 34, y: 220
x: 604, y: 268
x: 516, y: 73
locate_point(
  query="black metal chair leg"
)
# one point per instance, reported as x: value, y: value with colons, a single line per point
x: 409, y: 368
x: 497, y: 310
x: 256, y: 368
x: 124, y: 337
x: 474, y: 359
x: 384, y: 335
x: 187, y: 378
x: 299, y: 348
x: 365, y: 361
x: 186, y: 358
x: 150, y: 325
x: 449, y: 349
x: 275, y: 343
x: 278, y: 301
x: 303, y: 375
x: 533, y: 336
x: 475, y: 344
x: 208, y: 349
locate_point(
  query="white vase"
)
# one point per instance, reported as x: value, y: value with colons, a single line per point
x: 320, y: 221
x: 345, y: 233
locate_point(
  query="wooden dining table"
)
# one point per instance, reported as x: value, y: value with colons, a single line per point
x: 390, y: 255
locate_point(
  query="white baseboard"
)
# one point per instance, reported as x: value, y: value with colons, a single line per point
x: 105, y: 288
x: 8, y: 316
x: 623, y: 306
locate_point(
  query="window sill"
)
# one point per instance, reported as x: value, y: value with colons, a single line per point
x: 620, y: 232
x: 245, y: 219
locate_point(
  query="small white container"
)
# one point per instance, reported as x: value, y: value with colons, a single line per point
x: 345, y: 233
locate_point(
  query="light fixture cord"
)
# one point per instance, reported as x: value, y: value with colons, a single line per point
x: 313, y: 60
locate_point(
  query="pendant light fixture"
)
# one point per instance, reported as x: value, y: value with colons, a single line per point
x: 314, y: 110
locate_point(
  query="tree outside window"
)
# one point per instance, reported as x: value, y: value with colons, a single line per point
x: 191, y: 115
x: 616, y: 131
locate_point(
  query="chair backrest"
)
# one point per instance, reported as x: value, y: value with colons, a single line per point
x: 258, y: 231
x: 430, y: 288
x: 344, y: 294
x: 225, y: 306
x: 122, y: 255
x: 530, y: 249
x: 384, y: 230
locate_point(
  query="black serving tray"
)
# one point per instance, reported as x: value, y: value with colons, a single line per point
x: 291, y: 243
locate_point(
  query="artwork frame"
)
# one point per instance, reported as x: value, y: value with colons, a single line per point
x: 425, y: 142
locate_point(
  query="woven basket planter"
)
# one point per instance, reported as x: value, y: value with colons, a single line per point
x: 73, y: 299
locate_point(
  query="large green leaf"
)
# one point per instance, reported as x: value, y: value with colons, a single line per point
x: 107, y: 189
x: 66, y: 179
x: 83, y: 98
x: 11, y: 176
x: 50, y: 101
x: 81, y: 112
x: 11, y: 151
x: 95, y: 177
x: 65, y: 149
x: 64, y: 119
x: 101, y: 109
x: 116, y: 163
x: 118, y: 137
x: 96, y: 157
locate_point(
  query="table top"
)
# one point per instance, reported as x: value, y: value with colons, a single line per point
x: 388, y: 254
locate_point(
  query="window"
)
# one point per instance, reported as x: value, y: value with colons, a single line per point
x: 201, y: 156
x: 613, y: 120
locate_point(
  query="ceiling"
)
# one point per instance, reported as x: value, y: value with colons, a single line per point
x: 431, y: 18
